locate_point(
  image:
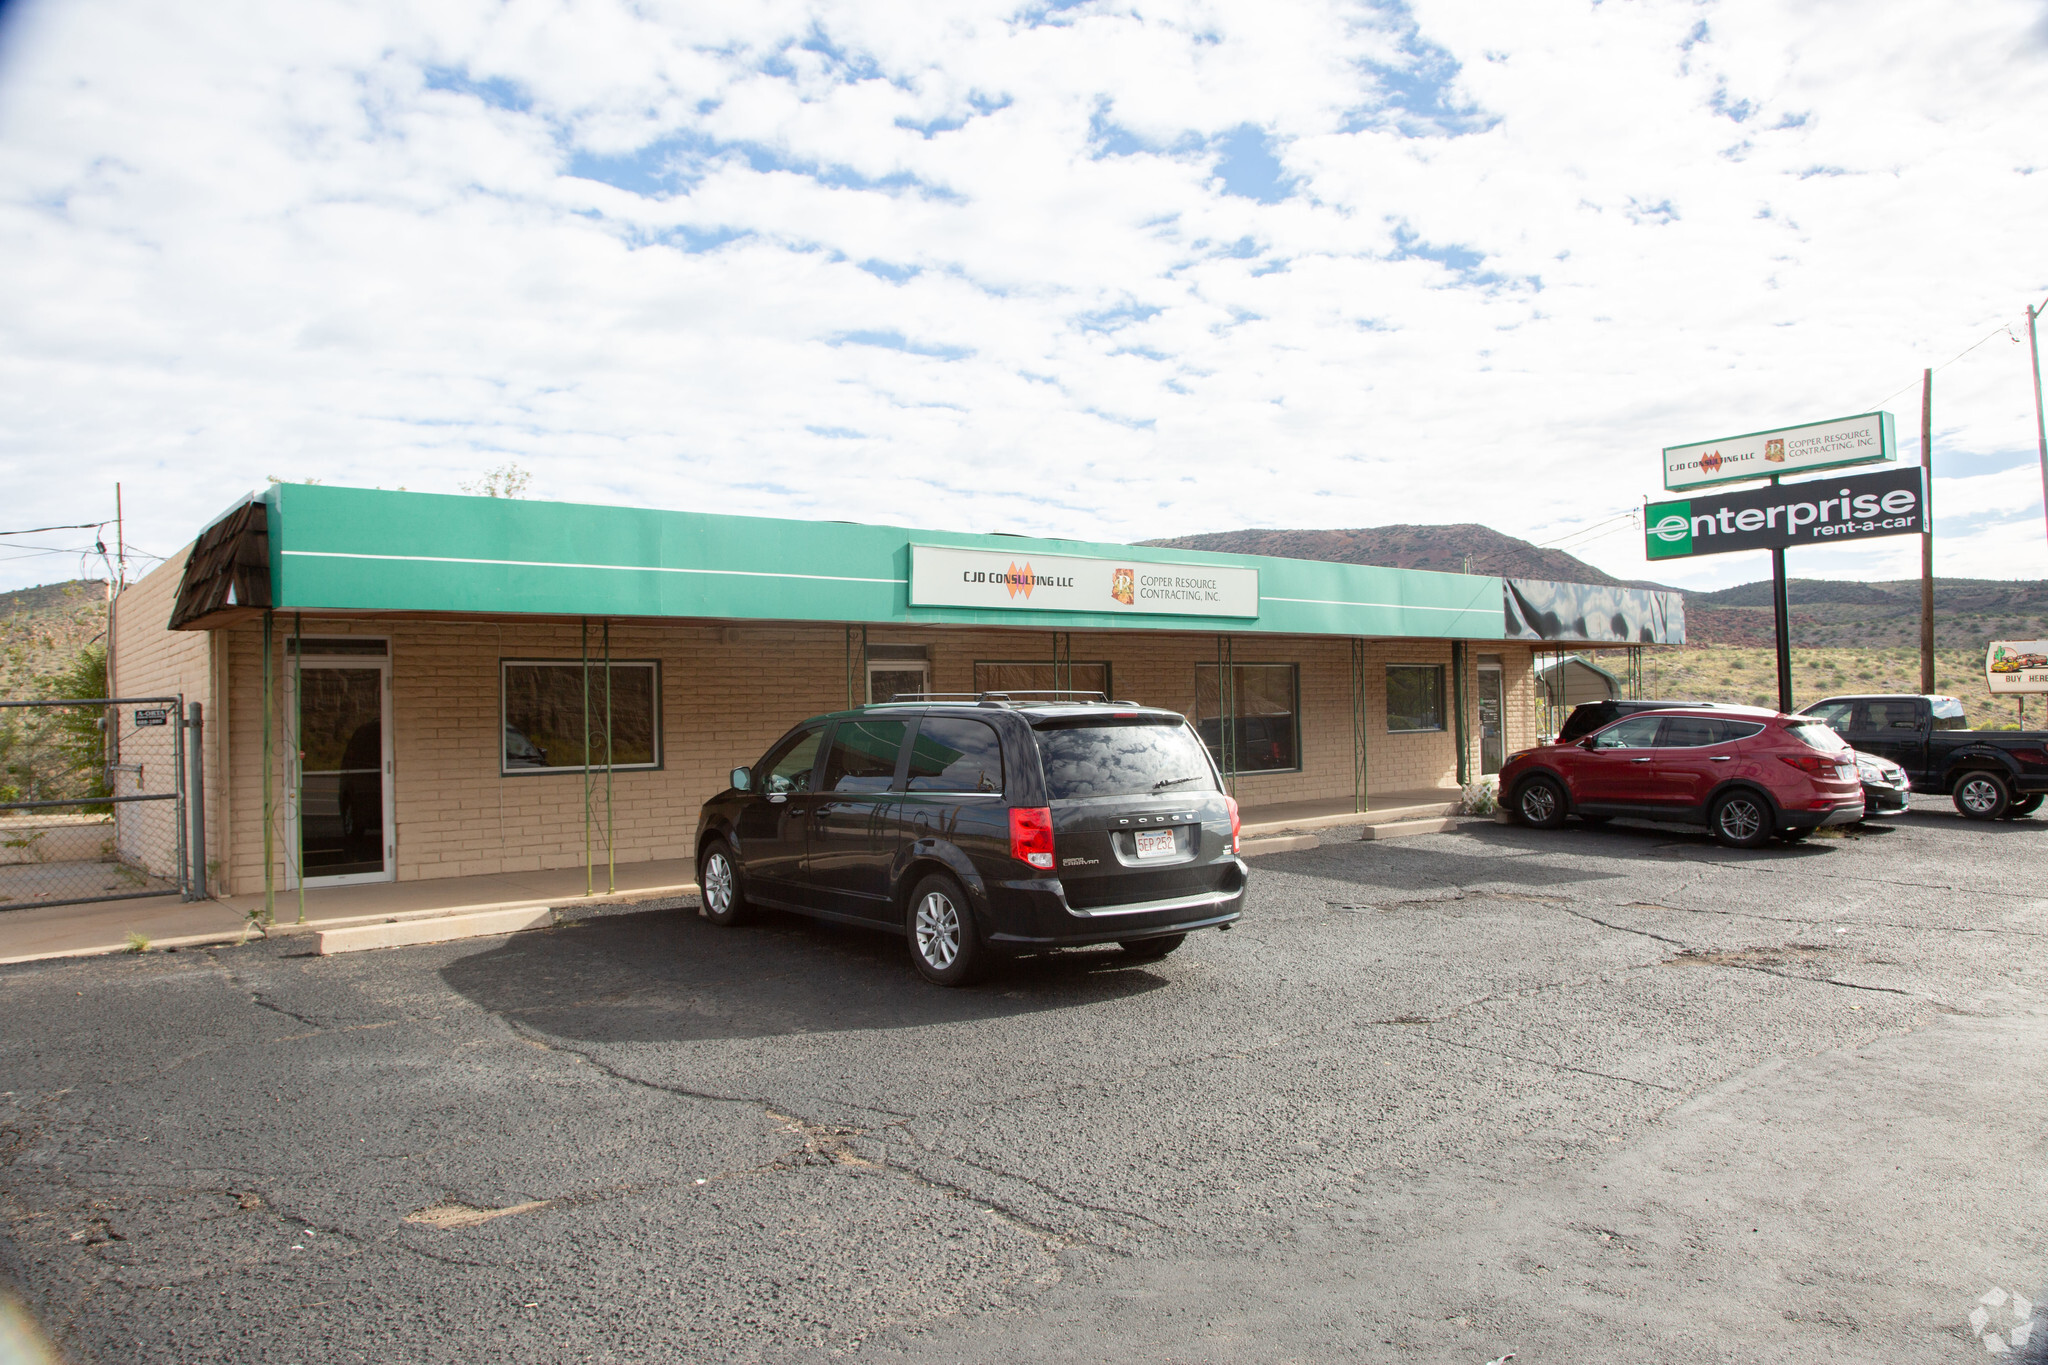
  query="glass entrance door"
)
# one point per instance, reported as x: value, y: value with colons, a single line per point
x: 343, y: 815
x: 1492, y: 738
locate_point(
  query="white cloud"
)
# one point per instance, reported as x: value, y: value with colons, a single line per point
x: 980, y: 266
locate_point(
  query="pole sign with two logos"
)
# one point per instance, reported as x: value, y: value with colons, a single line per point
x: 1868, y: 438
x: 1891, y: 502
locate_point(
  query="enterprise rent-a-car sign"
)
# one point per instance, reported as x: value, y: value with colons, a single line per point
x: 947, y: 576
x: 1890, y: 502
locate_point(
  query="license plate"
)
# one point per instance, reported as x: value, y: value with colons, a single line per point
x: 1156, y: 843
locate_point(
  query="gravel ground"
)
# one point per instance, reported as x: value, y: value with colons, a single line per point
x: 1586, y: 1096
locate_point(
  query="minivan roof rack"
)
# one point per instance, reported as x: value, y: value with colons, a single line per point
x: 1006, y: 699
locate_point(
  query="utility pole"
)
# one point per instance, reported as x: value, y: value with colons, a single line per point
x: 1781, y: 619
x: 1927, y: 531
x: 120, y: 543
x: 2040, y: 426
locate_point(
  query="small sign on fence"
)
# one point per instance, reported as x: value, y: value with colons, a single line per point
x: 152, y: 715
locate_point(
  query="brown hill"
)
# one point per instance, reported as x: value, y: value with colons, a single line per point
x: 1461, y: 548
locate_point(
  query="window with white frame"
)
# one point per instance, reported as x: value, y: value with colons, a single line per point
x: 558, y: 715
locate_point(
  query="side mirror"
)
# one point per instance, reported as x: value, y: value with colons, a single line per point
x: 742, y: 779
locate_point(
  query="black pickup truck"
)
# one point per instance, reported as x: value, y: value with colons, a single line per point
x: 1990, y: 774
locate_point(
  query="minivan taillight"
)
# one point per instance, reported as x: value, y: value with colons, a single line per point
x: 1236, y: 824
x: 1031, y: 835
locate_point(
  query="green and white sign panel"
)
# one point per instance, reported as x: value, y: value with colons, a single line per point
x: 1865, y: 439
x: 1889, y: 502
x: 1017, y: 580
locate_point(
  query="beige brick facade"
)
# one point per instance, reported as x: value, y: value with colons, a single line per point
x: 727, y: 691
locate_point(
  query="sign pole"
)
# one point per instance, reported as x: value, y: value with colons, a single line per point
x: 1927, y: 532
x: 2040, y: 425
x: 1781, y: 615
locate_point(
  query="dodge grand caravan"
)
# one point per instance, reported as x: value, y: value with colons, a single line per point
x: 980, y: 827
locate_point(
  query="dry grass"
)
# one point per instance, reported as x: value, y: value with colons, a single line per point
x: 1728, y: 673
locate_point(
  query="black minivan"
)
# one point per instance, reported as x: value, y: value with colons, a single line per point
x: 981, y: 827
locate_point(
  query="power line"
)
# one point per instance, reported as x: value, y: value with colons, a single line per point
x: 1574, y: 535
x: 2004, y: 327
x: 38, y: 530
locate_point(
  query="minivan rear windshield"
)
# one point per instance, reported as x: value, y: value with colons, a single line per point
x: 1124, y: 756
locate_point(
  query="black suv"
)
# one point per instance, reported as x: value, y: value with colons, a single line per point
x: 982, y: 826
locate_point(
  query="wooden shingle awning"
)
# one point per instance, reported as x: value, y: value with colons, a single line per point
x: 227, y: 576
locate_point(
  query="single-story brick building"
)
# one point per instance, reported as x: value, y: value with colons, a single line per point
x: 404, y: 686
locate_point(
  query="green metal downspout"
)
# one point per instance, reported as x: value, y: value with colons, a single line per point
x: 588, y: 876
x: 1360, y: 800
x: 611, y: 853
x: 269, y: 778
x: 299, y: 748
x: 1458, y: 701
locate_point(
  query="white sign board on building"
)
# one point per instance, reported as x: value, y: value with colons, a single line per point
x: 2017, y: 666
x: 1864, y: 439
x: 950, y: 576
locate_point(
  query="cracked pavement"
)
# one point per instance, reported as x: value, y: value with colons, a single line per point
x: 1586, y: 1095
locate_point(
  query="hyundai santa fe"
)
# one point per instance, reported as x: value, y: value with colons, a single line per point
x: 1745, y: 773
x: 982, y: 827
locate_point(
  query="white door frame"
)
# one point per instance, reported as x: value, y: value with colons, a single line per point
x: 294, y: 755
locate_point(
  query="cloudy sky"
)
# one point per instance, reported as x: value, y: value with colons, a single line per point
x: 1112, y: 270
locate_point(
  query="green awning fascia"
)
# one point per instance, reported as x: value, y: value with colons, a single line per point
x: 359, y: 549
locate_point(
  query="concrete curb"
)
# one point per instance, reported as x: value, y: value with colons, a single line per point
x: 644, y: 893
x: 210, y: 940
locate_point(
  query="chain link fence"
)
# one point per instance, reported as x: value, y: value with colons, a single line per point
x: 92, y: 800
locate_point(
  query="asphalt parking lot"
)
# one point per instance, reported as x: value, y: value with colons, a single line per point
x: 1585, y: 1096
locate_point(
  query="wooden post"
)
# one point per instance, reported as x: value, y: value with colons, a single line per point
x: 1927, y: 532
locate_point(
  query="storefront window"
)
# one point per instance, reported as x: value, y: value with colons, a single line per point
x: 544, y: 716
x: 1263, y: 707
x: 1415, y: 697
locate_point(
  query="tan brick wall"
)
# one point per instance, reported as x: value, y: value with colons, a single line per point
x: 148, y: 659
x: 727, y: 692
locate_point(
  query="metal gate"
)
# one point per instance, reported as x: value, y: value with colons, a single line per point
x: 92, y: 801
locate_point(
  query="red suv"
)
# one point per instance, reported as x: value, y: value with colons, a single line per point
x: 1743, y: 772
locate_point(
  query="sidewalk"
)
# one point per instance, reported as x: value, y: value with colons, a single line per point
x: 88, y: 930
x: 490, y: 904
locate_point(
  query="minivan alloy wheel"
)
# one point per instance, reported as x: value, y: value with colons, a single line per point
x: 718, y: 884
x: 938, y: 929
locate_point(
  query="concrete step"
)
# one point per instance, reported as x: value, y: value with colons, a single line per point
x: 1401, y: 829
x: 1276, y: 843
x: 439, y: 929
x: 1348, y: 819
